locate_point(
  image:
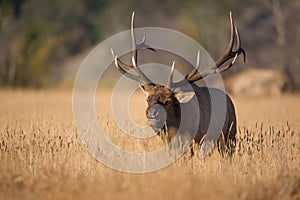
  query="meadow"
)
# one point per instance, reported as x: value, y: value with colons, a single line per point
x: 42, y: 157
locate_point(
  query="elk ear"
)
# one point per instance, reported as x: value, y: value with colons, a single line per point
x: 143, y: 89
x: 184, y: 97
x: 146, y: 88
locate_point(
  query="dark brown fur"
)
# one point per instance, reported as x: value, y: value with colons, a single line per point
x: 163, y: 96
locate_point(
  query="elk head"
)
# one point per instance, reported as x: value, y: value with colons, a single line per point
x: 164, y: 102
x: 164, y: 105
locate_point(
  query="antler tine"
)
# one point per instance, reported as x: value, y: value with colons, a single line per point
x: 133, y: 42
x: 223, y: 69
x: 195, y: 70
x: 170, y: 81
x: 191, y: 75
x: 227, y: 55
x: 198, y: 60
x: 215, y: 70
x: 140, y: 77
x: 228, y: 51
x: 123, y: 71
x: 133, y: 61
x: 143, y: 45
x: 120, y: 65
x: 144, y: 78
x: 112, y: 52
x: 239, y: 50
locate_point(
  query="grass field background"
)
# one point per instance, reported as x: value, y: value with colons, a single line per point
x: 42, y: 157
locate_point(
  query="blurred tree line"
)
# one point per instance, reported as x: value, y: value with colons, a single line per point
x: 37, y: 35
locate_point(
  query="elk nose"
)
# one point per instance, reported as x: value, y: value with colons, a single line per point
x: 152, y: 112
x: 156, y: 111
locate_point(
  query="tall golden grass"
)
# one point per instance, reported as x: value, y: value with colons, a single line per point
x: 41, y: 156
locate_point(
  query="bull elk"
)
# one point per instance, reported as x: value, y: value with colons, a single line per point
x: 165, y: 102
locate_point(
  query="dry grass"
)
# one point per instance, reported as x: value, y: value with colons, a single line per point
x: 42, y: 157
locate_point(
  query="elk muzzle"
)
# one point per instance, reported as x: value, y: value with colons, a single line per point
x: 157, y: 116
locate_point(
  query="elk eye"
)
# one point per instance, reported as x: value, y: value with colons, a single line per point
x: 168, y: 101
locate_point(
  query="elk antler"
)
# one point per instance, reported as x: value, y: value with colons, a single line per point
x: 169, y: 84
x: 218, y: 65
x: 124, y: 68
